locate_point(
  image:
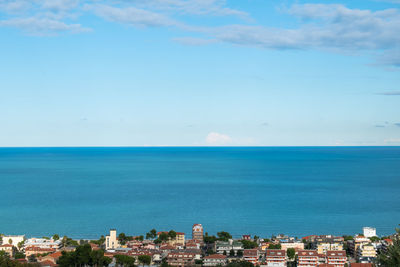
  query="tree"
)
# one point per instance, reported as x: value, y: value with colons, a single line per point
x: 291, y: 252
x: 125, y: 260
x: 139, y: 238
x: 224, y: 236
x: 82, y: 256
x: 151, y: 234
x: 209, y: 239
x: 247, y: 244
x: 391, y: 257
x: 144, y: 259
x: 232, y: 253
x: 374, y: 239
x: 19, y: 255
x: 172, y: 234
x: 163, y: 237
x: 20, y: 245
x: 56, y: 237
x: 239, y: 253
x: 274, y: 246
x: 32, y: 258
x: 122, y: 238
x: 240, y: 264
x: 10, y: 241
x: 348, y: 237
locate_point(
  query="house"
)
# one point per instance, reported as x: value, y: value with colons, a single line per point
x: 222, y: 247
x: 361, y: 265
x: 181, y: 259
x: 358, y: 241
x: 38, y: 250
x: 275, y: 258
x: 13, y: 240
x: 9, y: 249
x: 369, y: 231
x: 307, y: 258
x: 336, y: 258
x: 324, y: 243
x: 43, y: 243
x: 246, y: 237
x: 292, y: 244
x: 111, y: 240
x: 179, y: 240
x: 251, y: 255
x: 366, y: 253
x: 214, y: 260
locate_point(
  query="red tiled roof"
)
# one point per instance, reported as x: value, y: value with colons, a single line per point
x: 336, y: 253
x: 215, y: 256
x: 308, y: 253
x: 361, y: 264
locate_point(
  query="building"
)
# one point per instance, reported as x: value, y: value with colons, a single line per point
x: 38, y: 250
x: 112, y: 241
x: 307, y: 258
x: 179, y: 240
x: 9, y: 249
x: 361, y: 265
x: 251, y: 255
x: 214, y: 260
x: 295, y: 245
x: 369, y: 231
x: 366, y: 253
x: 43, y: 243
x: 336, y: 258
x: 181, y: 259
x: 275, y: 258
x: 222, y: 247
x: 327, y: 242
x: 197, y: 232
x: 358, y: 241
x: 13, y: 239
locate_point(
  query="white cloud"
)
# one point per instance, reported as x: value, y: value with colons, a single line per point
x: 42, y: 26
x: 214, y: 139
x: 132, y: 16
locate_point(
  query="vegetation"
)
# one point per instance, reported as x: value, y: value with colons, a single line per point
x: 209, y: 239
x: 56, y: 237
x: 275, y: 246
x: 374, y: 239
x: 84, y: 256
x: 100, y: 241
x: 291, y: 252
x: 19, y: 255
x: 151, y: 234
x: 240, y: 264
x: 125, y: 261
x: 239, y: 253
x: 144, y: 259
x: 224, y: 236
x: 139, y: 238
x: 5, y: 261
x: 172, y: 234
x: 347, y: 237
x: 391, y: 257
x: 247, y: 244
x: 123, y: 239
x: 68, y: 242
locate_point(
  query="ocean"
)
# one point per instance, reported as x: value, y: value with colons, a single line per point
x: 83, y: 192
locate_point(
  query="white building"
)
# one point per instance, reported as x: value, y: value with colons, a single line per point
x: 369, y: 231
x: 43, y: 243
x: 111, y: 240
x: 13, y: 239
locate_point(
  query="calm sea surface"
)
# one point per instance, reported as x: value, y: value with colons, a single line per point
x: 83, y: 192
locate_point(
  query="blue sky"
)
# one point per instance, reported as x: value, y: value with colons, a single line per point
x: 199, y: 72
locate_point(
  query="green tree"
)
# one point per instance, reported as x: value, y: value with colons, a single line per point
x: 151, y: 234
x: 209, y: 239
x: 122, y: 238
x: 125, y: 260
x: 224, y: 236
x: 391, y: 257
x: 20, y: 244
x: 291, y: 252
x: 144, y: 259
x: 374, y: 239
x: 247, y: 244
x: 19, y: 255
x: 172, y: 234
x: 274, y: 246
x: 232, y: 253
x: 83, y: 256
x: 139, y: 238
x: 10, y: 241
x: 56, y: 237
x: 348, y: 237
x: 163, y: 237
x: 240, y: 264
x: 239, y: 253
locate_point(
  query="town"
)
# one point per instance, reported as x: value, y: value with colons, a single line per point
x: 171, y: 248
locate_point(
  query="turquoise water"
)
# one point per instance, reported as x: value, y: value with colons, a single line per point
x: 82, y: 192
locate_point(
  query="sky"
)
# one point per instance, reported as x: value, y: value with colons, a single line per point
x: 199, y: 73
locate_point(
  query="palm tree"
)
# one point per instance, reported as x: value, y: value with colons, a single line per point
x: 391, y: 258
